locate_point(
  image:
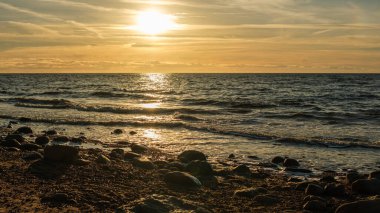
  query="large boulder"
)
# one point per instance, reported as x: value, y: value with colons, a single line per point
x: 199, y: 168
x: 365, y: 186
x: 367, y: 206
x: 182, y: 179
x: 61, y: 153
x: 190, y: 155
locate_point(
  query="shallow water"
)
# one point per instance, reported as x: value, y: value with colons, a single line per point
x: 327, y: 121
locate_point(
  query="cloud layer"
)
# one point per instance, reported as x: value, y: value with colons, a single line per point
x: 216, y: 36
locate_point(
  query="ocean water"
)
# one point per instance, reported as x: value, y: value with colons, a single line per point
x: 327, y: 121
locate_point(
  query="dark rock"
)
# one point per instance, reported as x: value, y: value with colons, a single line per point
x: 242, y: 170
x: 289, y: 162
x: 336, y: 190
x: 182, y: 179
x: 151, y: 205
x: 51, y: 132
x: 118, y: 131
x: 62, y: 139
x: 300, y: 170
x: 131, y: 155
x: 56, y: 198
x: 368, y: 187
x: 367, y: 206
x: 10, y: 143
x: 23, y: 119
x: 314, y: 189
x: 132, y: 133
x: 267, y: 165
x: 24, y: 130
x: 278, y: 160
x: 117, y: 154
x: 42, y: 140
x: 266, y: 200
x: 312, y: 197
x: 16, y: 137
x: 143, y: 163
x: 137, y: 148
x: 374, y: 175
x: 30, y: 146
x: 190, y: 155
x: 315, y: 206
x: 12, y: 149
x: 60, y: 153
x: 32, y: 156
x: 77, y: 140
x: 352, y: 177
x: 231, y: 156
x: 82, y: 162
x: 103, y: 159
x: 302, y: 186
x: 250, y: 192
x: 327, y: 179
x: 294, y: 179
x: 199, y: 168
x: 177, y: 166
x: 253, y: 157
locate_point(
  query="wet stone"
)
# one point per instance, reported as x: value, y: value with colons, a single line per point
x: 24, y: 130
x: 190, y: 155
x: 182, y: 179
x: 42, y: 140
x: 289, y: 162
x: 314, y: 189
x: 278, y: 160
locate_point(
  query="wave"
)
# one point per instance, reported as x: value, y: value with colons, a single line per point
x: 230, y: 104
x: 204, y: 127
x: 120, y: 95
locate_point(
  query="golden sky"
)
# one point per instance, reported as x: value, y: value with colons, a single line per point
x: 190, y: 36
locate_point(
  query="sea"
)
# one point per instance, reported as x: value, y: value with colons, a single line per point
x: 326, y: 121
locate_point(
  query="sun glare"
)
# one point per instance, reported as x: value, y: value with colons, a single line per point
x: 153, y: 22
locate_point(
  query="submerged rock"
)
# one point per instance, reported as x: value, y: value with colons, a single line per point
x: 132, y: 132
x: 62, y: 139
x: 199, y: 168
x: 278, y: 160
x: 242, y: 170
x: 61, y: 153
x: 231, y: 156
x: 24, y: 130
x: 42, y: 140
x: 118, y: 131
x: 51, y: 132
x: 300, y: 170
x: 190, y: 155
x: 289, y: 162
x: 367, y: 206
x: 182, y: 179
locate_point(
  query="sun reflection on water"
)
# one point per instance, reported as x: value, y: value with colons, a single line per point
x: 151, y: 105
x: 151, y: 133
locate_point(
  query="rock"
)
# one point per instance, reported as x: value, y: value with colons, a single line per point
x: 300, y: 170
x: 335, y: 190
x: 352, y: 177
x: 118, y: 131
x: 23, y: 119
x: 12, y: 149
x: 131, y: 155
x: 103, y: 159
x: 42, y: 140
x: 182, y: 179
x: 242, y: 170
x: 32, y: 156
x: 190, y: 155
x: 10, y: 143
x: 139, y: 148
x: 253, y: 157
x: 314, y: 189
x: 266, y: 200
x: 315, y: 206
x: 151, y: 205
x: 117, y: 154
x: 312, y: 197
x: 368, y: 187
x: 199, y: 168
x: 77, y: 140
x: 58, y: 198
x: 62, y: 139
x: 143, y: 163
x: 231, y: 156
x: 294, y: 179
x: 327, y: 179
x: 374, y: 175
x: 132, y: 133
x: 278, y: 160
x: 250, y: 192
x: 30, y: 146
x: 82, y: 162
x: 177, y: 166
x: 24, y: 130
x: 51, y: 132
x: 289, y: 162
x: 367, y: 206
x: 16, y: 137
x: 302, y: 186
x: 61, y: 153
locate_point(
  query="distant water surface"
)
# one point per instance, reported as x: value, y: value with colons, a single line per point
x: 329, y: 121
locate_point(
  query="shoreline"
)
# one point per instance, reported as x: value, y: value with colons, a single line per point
x: 136, y: 178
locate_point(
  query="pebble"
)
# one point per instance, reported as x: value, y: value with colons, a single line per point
x: 352, y: 177
x: 190, y: 155
x: 231, y: 156
x: 62, y: 139
x: 132, y: 132
x: 118, y: 131
x: 300, y: 170
x: 182, y: 179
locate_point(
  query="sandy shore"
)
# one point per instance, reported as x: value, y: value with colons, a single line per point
x: 36, y: 176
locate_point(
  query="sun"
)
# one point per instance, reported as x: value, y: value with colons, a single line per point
x: 153, y: 22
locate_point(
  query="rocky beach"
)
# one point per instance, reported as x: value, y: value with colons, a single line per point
x: 40, y: 172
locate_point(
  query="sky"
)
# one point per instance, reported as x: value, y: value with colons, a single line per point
x: 238, y: 36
